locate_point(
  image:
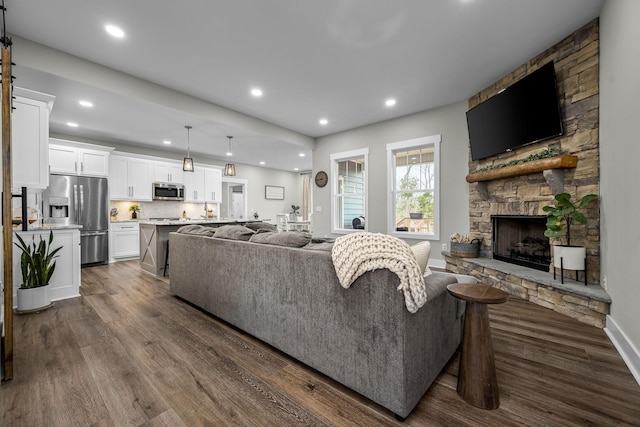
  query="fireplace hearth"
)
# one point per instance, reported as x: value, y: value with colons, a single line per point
x: 520, y: 239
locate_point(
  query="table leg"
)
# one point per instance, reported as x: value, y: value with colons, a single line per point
x: 477, y: 381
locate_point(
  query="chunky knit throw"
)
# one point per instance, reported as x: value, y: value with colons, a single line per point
x: 357, y: 253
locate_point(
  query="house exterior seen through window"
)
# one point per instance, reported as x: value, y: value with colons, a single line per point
x: 413, y: 168
x: 349, y: 191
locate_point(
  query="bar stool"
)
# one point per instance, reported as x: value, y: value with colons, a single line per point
x: 166, y: 260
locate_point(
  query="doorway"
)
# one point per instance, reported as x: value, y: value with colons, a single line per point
x: 234, y: 201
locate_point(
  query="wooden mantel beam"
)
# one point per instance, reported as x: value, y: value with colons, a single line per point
x: 558, y: 162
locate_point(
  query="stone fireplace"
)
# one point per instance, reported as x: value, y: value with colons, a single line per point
x: 509, y: 197
x: 520, y: 240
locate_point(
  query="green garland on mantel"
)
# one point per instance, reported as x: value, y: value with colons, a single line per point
x: 544, y: 154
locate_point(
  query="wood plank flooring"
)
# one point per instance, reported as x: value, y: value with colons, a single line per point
x: 128, y: 353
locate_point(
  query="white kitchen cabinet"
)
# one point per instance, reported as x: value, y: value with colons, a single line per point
x: 130, y: 178
x: 65, y: 282
x: 30, y: 139
x: 78, y: 159
x: 125, y: 240
x: 213, y: 185
x: 194, y: 185
x: 168, y: 172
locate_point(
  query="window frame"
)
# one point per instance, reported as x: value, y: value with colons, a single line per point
x: 394, y: 147
x: 335, y: 159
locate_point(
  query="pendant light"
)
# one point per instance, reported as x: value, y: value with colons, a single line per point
x: 229, y: 168
x: 187, y: 163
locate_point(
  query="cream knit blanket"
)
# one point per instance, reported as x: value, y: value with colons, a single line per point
x: 357, y: 253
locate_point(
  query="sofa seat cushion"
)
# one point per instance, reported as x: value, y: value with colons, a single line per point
x: 234, y: 232
x: 292, y: 239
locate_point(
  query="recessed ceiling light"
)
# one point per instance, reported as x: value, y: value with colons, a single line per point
x: 166, y: 142
x: 390, y: 102
x: 84, y: 103
x: 301, y: 154
x: 323, y: 121
x: 256, y: 92
x: 229, y: 153
x: 72, y: 124
x: 114, y: 31
x: 296, y: 169
x: 262, y: 163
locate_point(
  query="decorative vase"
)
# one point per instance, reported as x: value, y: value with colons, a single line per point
x: 293, y: 217
x: 31, y: 299
x: 134, y: 215
x: 569, y: 257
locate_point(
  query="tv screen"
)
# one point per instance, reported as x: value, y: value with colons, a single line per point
x: 528, y: 111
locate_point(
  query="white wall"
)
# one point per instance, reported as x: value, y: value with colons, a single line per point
x: 448, y: 121
x: 619, y: 157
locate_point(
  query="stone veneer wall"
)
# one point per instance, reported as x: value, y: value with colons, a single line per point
x: 576, y: 61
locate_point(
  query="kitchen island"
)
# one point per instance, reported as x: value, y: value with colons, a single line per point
x: 154, y: 238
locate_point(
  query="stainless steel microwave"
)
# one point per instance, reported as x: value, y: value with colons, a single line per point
x: 168, y: 191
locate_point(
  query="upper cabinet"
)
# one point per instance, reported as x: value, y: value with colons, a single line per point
x: 168, y: 172
x: 71, y: 158
x: 130, y: 178
x: 213, y: 185
x: 30, y: 139
x: 194, y: 185
x: 204, y: 184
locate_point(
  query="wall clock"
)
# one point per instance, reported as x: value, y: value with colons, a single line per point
x: 321, y: 179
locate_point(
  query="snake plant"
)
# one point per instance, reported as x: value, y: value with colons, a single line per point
x: 37, y: 261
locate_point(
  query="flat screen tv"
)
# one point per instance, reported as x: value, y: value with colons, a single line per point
x: 528, y: 111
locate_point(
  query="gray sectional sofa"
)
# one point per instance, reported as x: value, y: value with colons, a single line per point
x: 290, y: 298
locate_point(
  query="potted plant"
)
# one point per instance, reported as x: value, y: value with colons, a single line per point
x: 295, y: 211
x: 134, y: 209
x: 560, y: 216
x: 37, y: 264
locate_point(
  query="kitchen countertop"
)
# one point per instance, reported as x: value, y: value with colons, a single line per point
x: 49, y: 227
x: 196, y: 221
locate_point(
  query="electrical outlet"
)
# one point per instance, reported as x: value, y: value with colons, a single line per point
x: 604, y: 281
x: 318, y: 208
x: 444, y: 247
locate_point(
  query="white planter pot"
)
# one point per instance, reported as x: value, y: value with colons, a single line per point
x: 572, y: 257
x: 33, y: 298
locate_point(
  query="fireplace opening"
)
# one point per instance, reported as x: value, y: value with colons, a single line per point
x: 520, y: 239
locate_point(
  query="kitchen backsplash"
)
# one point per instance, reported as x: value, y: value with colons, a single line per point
x: 162, y: 209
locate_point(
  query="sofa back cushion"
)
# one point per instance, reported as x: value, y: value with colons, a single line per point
x: 255, y: 226
x: 200, y: 230
x: 292, y: 239
x: 234, y: 232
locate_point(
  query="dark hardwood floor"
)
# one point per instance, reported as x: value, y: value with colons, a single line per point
x: 128, y: 353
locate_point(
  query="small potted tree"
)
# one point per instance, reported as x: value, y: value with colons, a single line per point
x: 560, y: 217
x: 134, y: 209
x: 37, y: 264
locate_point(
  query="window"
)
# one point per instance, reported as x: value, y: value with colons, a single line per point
x: 413, y: 170
x: 348, y: 190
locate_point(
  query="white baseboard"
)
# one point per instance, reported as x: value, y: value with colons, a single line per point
x: 437, y: 263
x: 625, y: 347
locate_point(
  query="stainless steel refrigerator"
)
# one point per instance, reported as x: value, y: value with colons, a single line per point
x: 81, y: 200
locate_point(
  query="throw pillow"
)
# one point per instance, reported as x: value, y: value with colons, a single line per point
x: 292, y: 239
x: 255, y: 226
x: 234, y: 232
x: 421, y: 251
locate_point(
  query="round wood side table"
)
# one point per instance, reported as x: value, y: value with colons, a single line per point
x: 477, y: 381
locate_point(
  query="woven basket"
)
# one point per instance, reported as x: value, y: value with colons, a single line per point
x: 465, y: 250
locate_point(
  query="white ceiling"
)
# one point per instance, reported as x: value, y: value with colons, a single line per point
x: 338, y: 59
